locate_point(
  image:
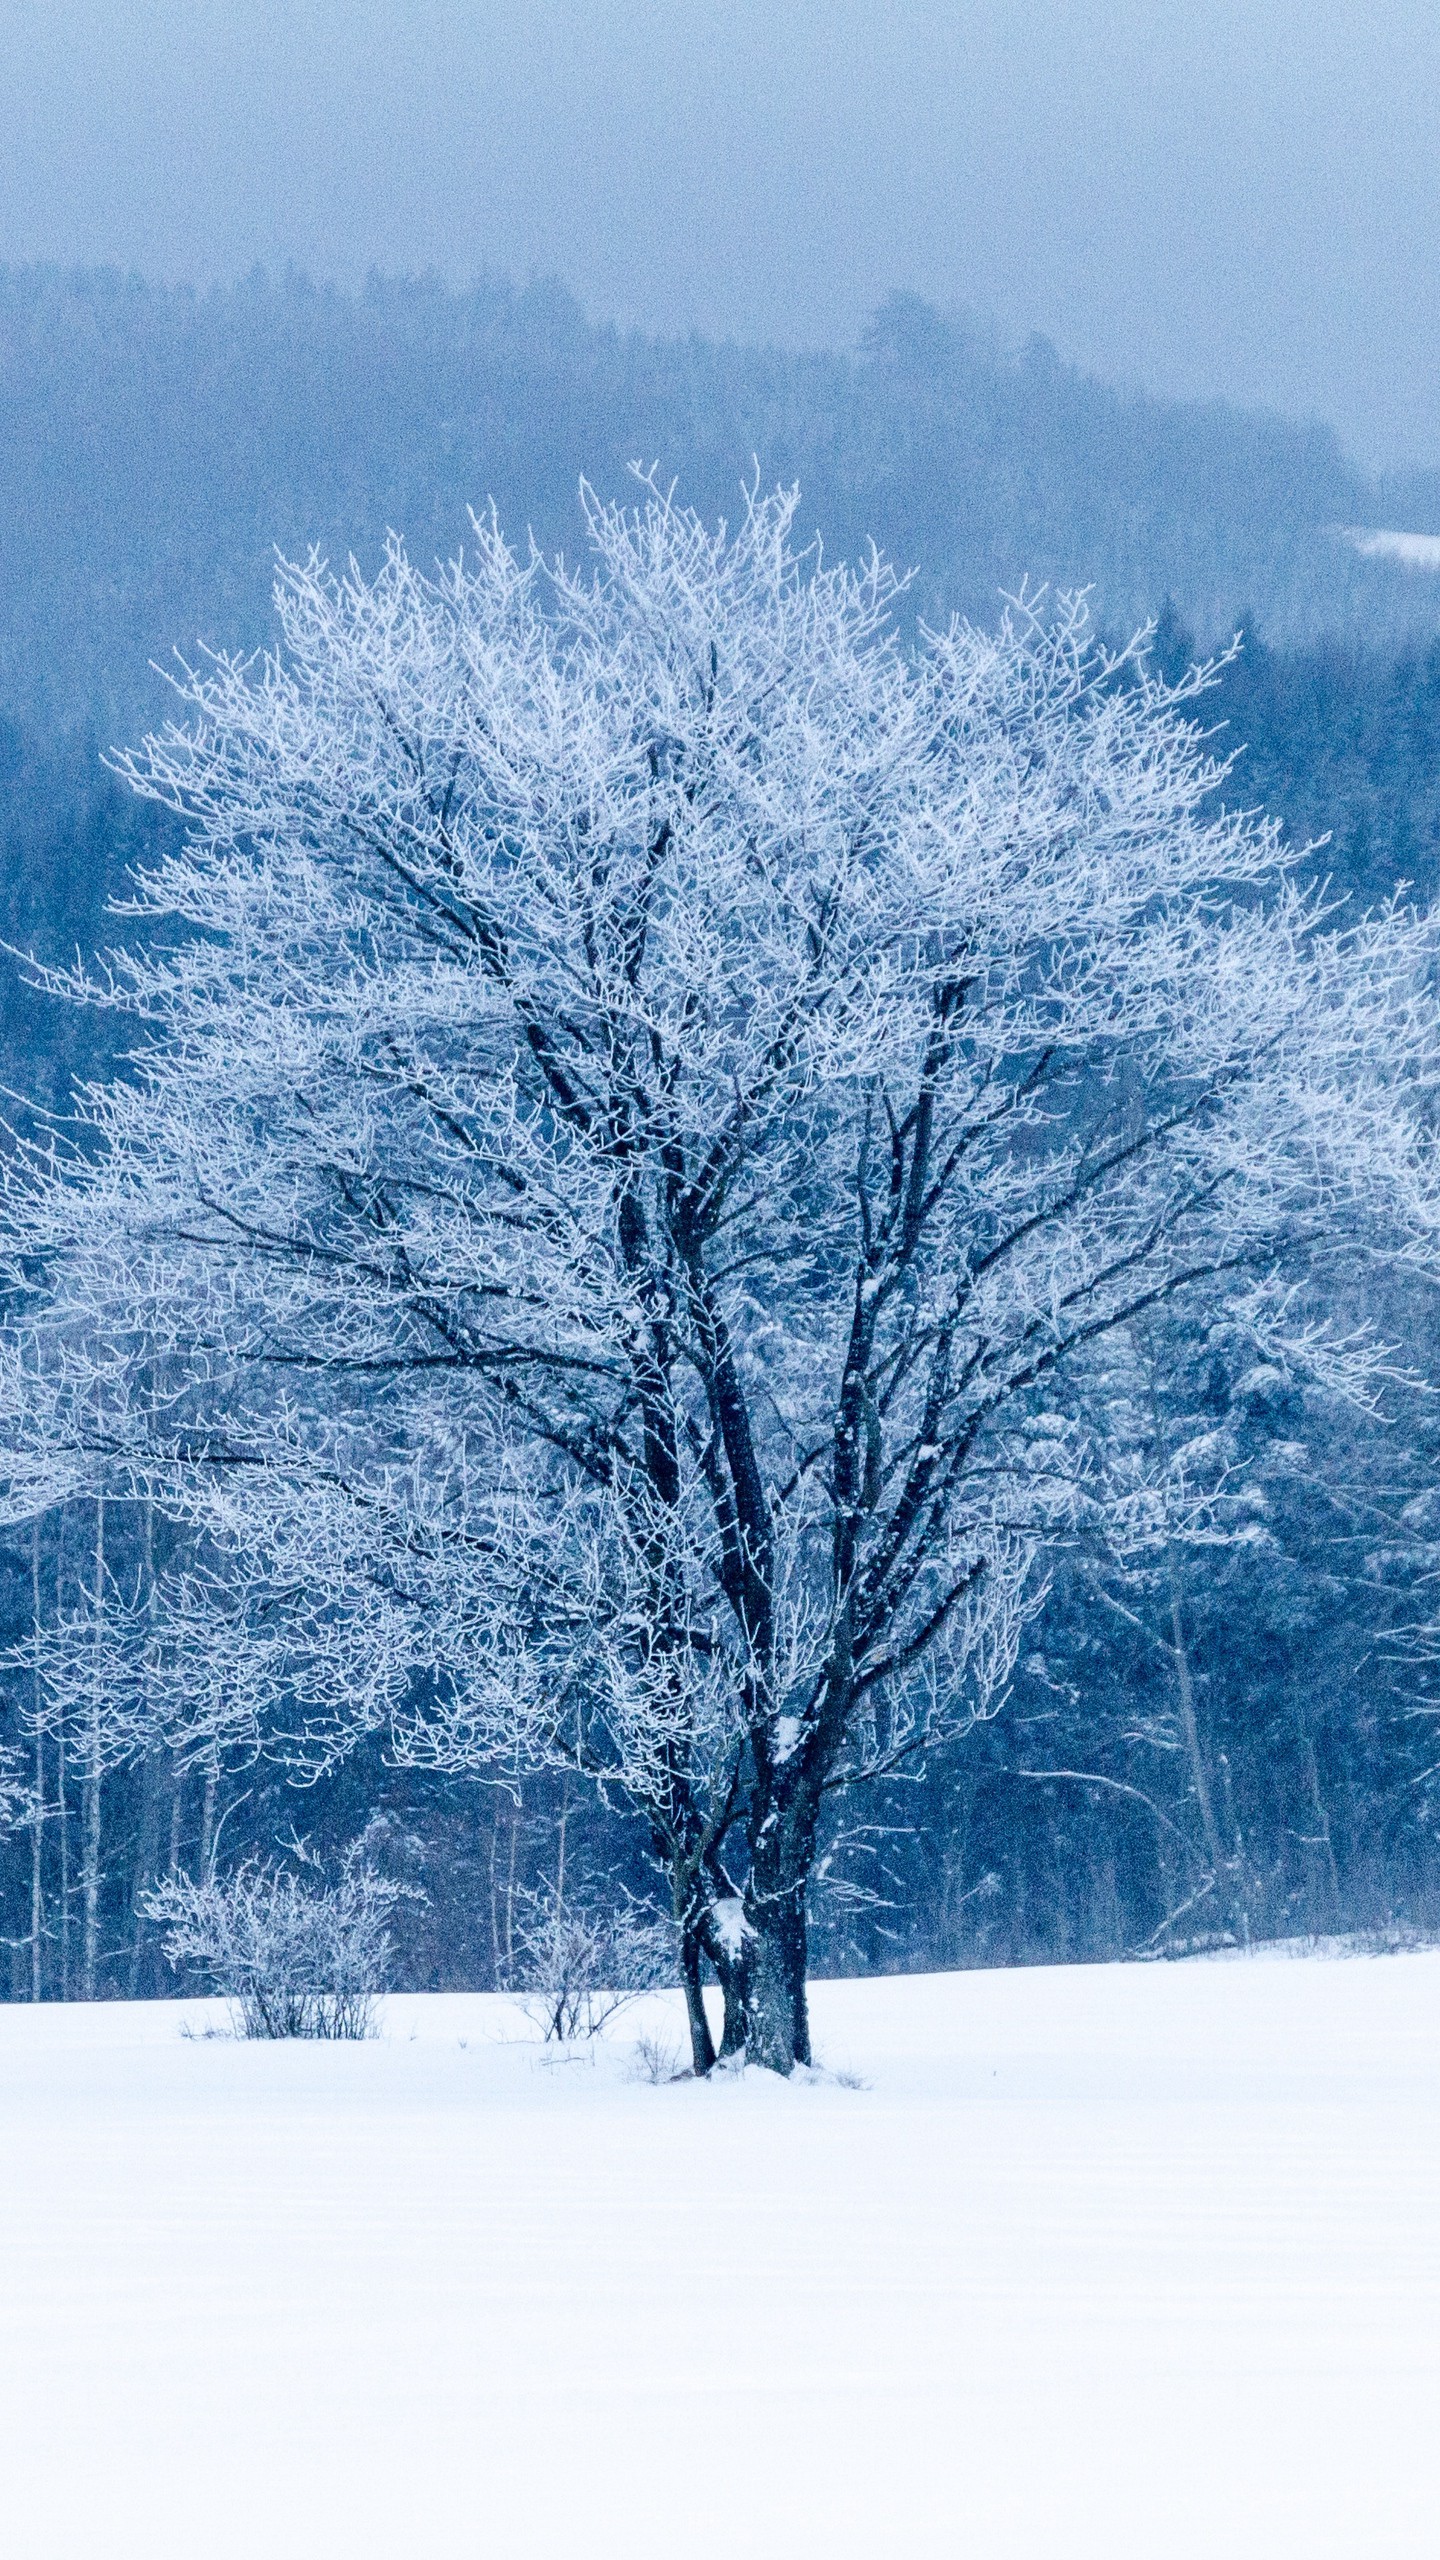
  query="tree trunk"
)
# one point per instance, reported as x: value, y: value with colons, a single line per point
x: 777, y: 2023
x: 692, y: 1962
x: 207, y: 1817
x: 1220, y: 1867
x: 62, y: 1817
x: 62, y: 1805
x: 510, y: 1897
x: 496, y: 1983
x: 90, y: 1878
x: 90, y: 1866
x: 735, y: 2033
x: 1324, y: 1836
x: 150, y: 1813
x: 37, y: 1833
x: 177, y: 1808
x: 145, y: 1845
x: 37, y: 1874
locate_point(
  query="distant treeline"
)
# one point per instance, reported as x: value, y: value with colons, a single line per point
x: 158, y: 444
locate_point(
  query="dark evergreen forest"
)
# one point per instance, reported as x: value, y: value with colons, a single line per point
x: 1233, y: 1741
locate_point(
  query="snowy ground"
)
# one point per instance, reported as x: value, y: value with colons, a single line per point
x: 1122, y: 2261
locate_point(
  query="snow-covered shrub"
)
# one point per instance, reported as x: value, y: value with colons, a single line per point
x: 294, y: 1957
x: 577, y: 1963
x: 656, y: 2061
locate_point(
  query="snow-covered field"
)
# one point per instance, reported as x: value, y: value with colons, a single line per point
x: 1123, y: 2261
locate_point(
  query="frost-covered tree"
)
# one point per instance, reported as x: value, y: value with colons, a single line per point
x: 653, y: 1087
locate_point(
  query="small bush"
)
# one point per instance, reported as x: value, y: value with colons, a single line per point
x: 576, y: 1963
x: 657, y: 2062
x: 293, y: 1957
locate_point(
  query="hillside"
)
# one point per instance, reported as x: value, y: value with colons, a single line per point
x: 159, y: 444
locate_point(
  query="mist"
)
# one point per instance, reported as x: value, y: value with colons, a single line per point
x: 1239, y: 204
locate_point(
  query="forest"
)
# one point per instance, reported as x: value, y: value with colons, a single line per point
x: 1223, y: 1736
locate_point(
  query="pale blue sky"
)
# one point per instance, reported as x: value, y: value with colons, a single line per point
x: 1242, y: 200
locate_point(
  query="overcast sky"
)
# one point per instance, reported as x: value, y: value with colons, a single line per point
x: 1236, y: 196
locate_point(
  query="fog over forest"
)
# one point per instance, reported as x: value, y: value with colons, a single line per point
x: 1236, y: 202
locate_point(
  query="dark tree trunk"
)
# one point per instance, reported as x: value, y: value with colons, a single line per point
x: 731, y: 1963
x: 777, y: 2024
x: 702, y: 2043
x: 735, y: 2034
x: 783, y: 1829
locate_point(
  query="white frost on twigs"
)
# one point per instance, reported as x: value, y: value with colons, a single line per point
x: 654, y: 1094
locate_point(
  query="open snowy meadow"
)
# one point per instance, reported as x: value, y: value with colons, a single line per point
x: 1111, y: 2260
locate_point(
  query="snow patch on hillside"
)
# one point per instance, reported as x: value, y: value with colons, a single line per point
x: 1408, y: 550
